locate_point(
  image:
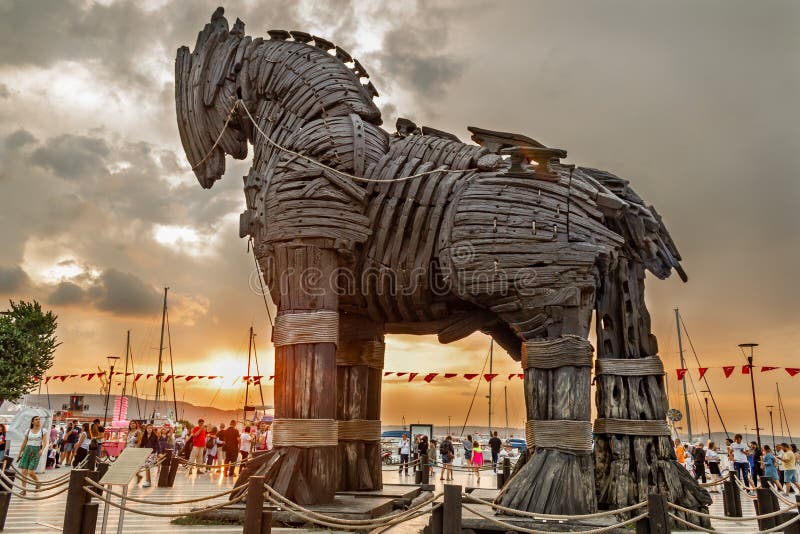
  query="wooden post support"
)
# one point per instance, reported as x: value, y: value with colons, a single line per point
x: 76, y: 498
x: 173, y: 470
x: 266, y: 522
x: 451, y: 520
x: 5, y: 499
x: 737, y: 498
x: 424, y: 469
x: 501, y: 480
x: 435, y: 526
x: 766, y: 505
x: 164, y: 469
x: 90, y: 512
x: 254, y: 505
x: 657, y: 521
x: 91, y: 460
x: 794, y: 528
x: 506, y: 469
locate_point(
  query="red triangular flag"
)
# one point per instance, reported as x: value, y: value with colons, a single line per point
x: 128, y: 374
x: 489, y: 377
x: 470, y: 376
x: 411, y: 376
x: 728, y: 370
x: 765, y: 368
x: 201, y: 377
x: 702, y: 372
x: 401, y: 374
x: 245, y: 379
x: 72, y: 376
x: 211, y: 377
x: 168, y: 378
x: 271, y: 377
x: 137, y: 377
x: 745, y: 369
x: 388, y: 373
x: 522, y: 376
x: 512, y: 375
x: 84, y: 375
x: 681, y: 373
x: 63, y: 377
x: 793, y: 370
x: 148, y: 377
x: 429, y: 377
x: 89, y: 376
x: 47, y: 379
x: 189, y: 377
x: 450, y: 375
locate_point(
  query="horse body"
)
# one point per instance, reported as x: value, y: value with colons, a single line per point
x: 481, y: 240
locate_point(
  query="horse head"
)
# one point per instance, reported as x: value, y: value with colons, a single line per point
x: 205, y: 96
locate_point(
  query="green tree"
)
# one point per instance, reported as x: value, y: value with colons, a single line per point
x: 27, y: 343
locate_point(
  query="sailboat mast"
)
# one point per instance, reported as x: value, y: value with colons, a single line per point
x: 782, y: 409
x: 247, y: 382
x: 505, y: 396
x: 118, y: 415
x: 159, y: 373
x: 683, y: 366
x: 491, y: 359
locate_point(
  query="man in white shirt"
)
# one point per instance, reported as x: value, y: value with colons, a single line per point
x: 739, y: 453
x: 405, y: 452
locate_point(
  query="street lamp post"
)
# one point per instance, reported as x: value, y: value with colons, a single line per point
x: 751, y: 346
x: 771, y: 424
x: 111, y: 361
x: 708, y: 415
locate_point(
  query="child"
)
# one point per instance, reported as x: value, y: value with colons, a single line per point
x: 477, y: 458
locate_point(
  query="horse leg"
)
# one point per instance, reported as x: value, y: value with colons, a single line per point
x: 558, y: 478
x: 633, y: 450
x: 303, y: 464
x: 359, y: 368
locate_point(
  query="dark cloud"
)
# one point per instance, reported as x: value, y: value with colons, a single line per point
x: 72, y: 156
x: 66, y: 294
x: 19, y: 138
x: 4, y: 92
x: 122, y: 293
x: 417, y: 57
x: 12, y: 279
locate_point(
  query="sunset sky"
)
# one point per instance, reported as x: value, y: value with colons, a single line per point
x: 694, y: 102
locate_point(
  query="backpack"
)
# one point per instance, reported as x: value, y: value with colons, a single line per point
x: 210, y: 442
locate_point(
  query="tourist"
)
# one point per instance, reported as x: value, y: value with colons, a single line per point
x: 198, y: 440
x: 82, y: 446
x: 423, y: 445
x: 725, y: 459
x: 779, y: 462
x: 211, y: 448
x: 232, y: 441
x: 796, y: 463
x: 757, y: 468
x: 433, y: 447
x: 245, y: 443
x: 134, y: 435
x: 495, y: 444
x: 739, y: 454
x: 148, y: 440
x: 789, y: 468
x: 447, y: 453
x: 405, y: 452
x: 467, y: 444
x: 768, y: 464
x: 712, y: 459
x: 96, y: 433
x: 261, y: 436
x: 30, y: 452
x: 3, y: 449
x: 680, y: 452
x: 166, y: 442
x: 221, y: 450
x: 73, y: 433
x: 477, y: 458
x: 699, y: 462
x: 53, y: 434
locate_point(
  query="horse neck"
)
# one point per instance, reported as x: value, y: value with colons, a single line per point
x: 287, y: 84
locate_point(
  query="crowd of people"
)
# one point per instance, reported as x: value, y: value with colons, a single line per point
x: 747, y: 461
x: 444, y: 453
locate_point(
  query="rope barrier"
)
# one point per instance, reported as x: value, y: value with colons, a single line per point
x: 162, y: 503
x: 10, y: 489
x: 725, y: 518
x: 342, y: 173
x: 517, y: 528
x: 218, y: 466
x: 689, y: 524
x: 35, y: 490
x: 777, y: 528
x: 534, y: 515
x: 354, y: 524
x: 710, y: 484
x: 157, y: 514
x: 783, y: 498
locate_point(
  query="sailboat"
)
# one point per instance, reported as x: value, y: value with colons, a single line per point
x: 156, y: 417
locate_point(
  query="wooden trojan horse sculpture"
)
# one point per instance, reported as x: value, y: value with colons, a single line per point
x: 360, y: 233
